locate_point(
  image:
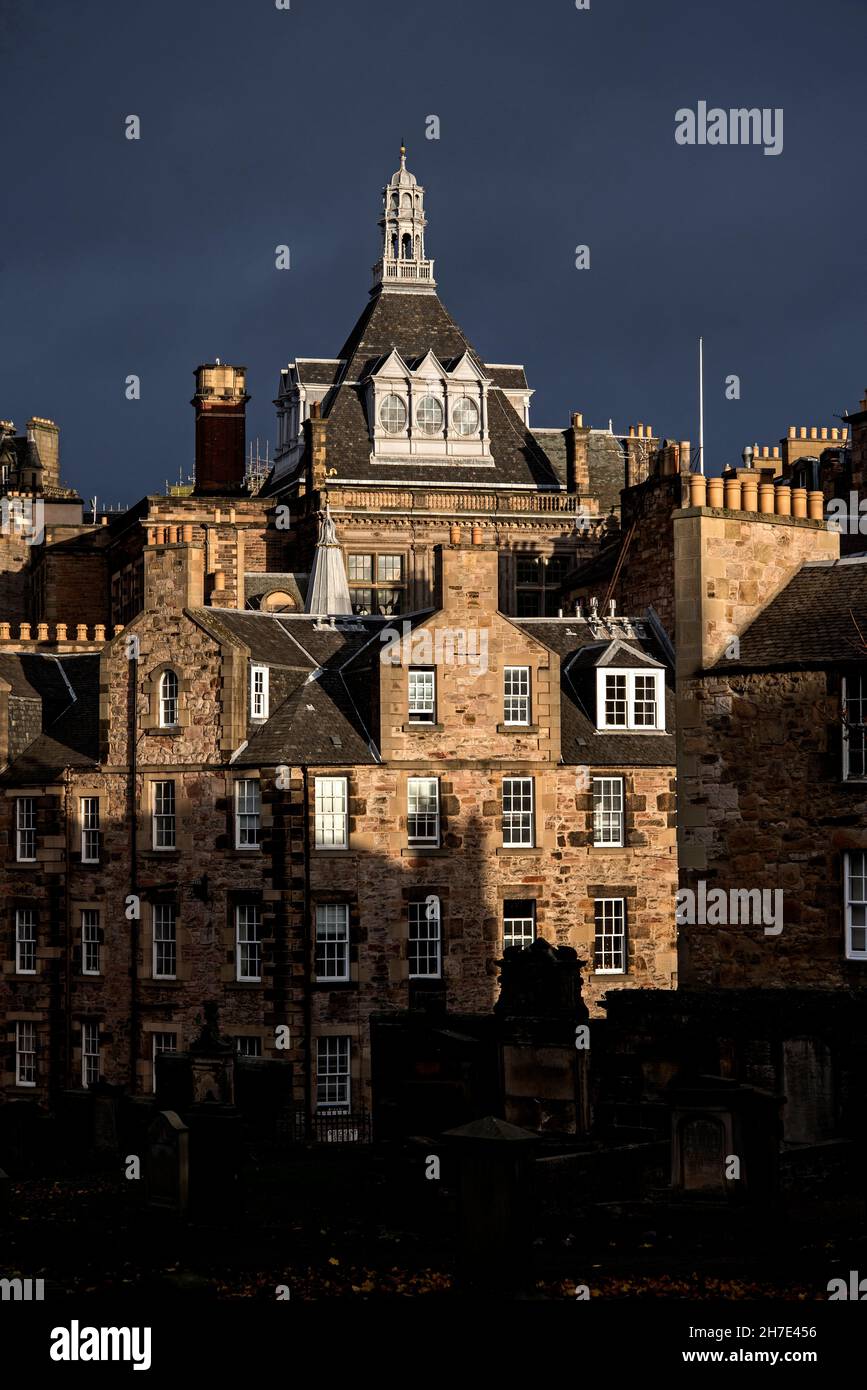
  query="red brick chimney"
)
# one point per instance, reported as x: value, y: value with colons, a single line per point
x: 221, y: 428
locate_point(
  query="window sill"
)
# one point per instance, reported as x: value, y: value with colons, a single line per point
x: 517, y: 849
x: 422, y: 728
x: 163, y: 984
x: 603, y: 847
x: 332, y: 985
x: 517, y: 728
x: 412, y: 851
x: 621, y: 973
x: 243, y: 984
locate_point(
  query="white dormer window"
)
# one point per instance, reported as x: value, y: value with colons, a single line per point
x: 631, y: 700
x: 429, y: 415
x: 258, y: 692
x: 392, y: 415
x: 465, y: 417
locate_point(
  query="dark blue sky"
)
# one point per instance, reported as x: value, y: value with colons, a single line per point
x: 262, y: 127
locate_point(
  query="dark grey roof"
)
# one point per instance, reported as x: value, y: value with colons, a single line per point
x: 512, y: 378
x: 606, y: 468
x: 581, y: 743
x: 814, y: 621
x: 289, y: 639
x: 555, y: 444
x: 70, y: 720
x: 415, y: 324
x: 317, y: 724
x: 258, y: 586
x: 316, y: 372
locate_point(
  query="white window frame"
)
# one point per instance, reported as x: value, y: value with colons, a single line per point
x: 248, y: 813
x: 25, y: 937
x: 169, y: 704
x: 516, y: 695
x: 163, y: 917
x: 332, y: 943
x: 331, y: 826
x: 422, y: 695
x: 155, y: 1052
x: 425, y: 938
x: 519, y: 826
x: 88, y: 809
x: 259, y: 693
x: 248, y: 941
x: 422, y: 822
x: 527, y: 934
x: 25, y: 829
x: 163, y: 821
x: 333, y: 1066
x: 609, y: 820
x: 90, y: 1052
x: 617, y: 916
x: 90, y: 923
x: 858, y: 904
x: 25, y: 1031
x: 630, y: 676
x: 242, y: 1041
x: 859, y: 706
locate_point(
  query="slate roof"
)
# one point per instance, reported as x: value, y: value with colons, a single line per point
x: 415, y: 324
x: 555, y: 446
x: 814, y: 621
x: 70, y: 736
x: 317, y: 371
x: 581, y: 743
x: 258, y: 586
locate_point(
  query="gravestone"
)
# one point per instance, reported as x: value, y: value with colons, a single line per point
x: 703, y: 1155
x: 212, y: 1057
x: 495, y: 1205
x: 167, y: 1165
x: 809, y: 1086
x: 714, y: 1119
x: 105, y: 1124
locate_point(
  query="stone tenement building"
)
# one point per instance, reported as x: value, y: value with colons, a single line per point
x: 316, y: 819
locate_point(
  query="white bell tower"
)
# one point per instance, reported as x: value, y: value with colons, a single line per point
x: 403, y: 266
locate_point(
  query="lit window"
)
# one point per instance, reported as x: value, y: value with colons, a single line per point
x: 465, y: 417
x: 422, y: 811
x: 516, y: 700
x: 425, y: 939
x: 25, y: 829
x: 517, y: 811
x: 90, y: 1067
x: 258, y: 692
x: 168, y: 700
x: 610, y: 948
x: 162, y: 1042
x: 332, y: 828
x: 25, y: 941
x: 90, y: 829
x: 90, y: 943
x: 854, y: 704
x: 519, y: 922
x: 422, y: 696
x: 631, y: 700
x: 392, y: 415
x: 608, y: 810
x: 430, y: 415
x: 248, y: 813
x: 332, y: 941
x: 164, y: 815
x: 248, y: 1046
x: 165, y: 943
x: 332, y: 1073
x: 248, y: 942
x: 25, y: 1054
x: 360, y: 569
x: 855, y: 892
x: 389, y: 569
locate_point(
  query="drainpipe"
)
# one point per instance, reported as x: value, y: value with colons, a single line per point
x: 308, y: 999
x: 67, y: 1003
x: 133, y: 870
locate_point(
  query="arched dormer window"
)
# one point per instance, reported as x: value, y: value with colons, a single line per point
x: 168, y: 698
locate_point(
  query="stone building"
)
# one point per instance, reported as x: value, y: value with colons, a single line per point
x: 314, y: 819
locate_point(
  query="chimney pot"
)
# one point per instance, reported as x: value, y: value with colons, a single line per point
x: 60, y: 632
x: 42, y: 632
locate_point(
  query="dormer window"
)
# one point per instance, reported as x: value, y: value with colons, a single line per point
x: 258, y: 692
x: 392, y: 415
x: 631, y: 700
x: 429, y: 415
x: 465, y: 417
x: 168, y: 700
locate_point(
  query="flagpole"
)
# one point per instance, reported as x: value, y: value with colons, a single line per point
x: 701, y: 405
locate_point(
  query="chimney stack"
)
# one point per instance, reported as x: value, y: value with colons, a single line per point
x: 44, y: 435
x: 221, y: 428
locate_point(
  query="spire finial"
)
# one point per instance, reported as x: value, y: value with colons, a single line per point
x: 402, y: 153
